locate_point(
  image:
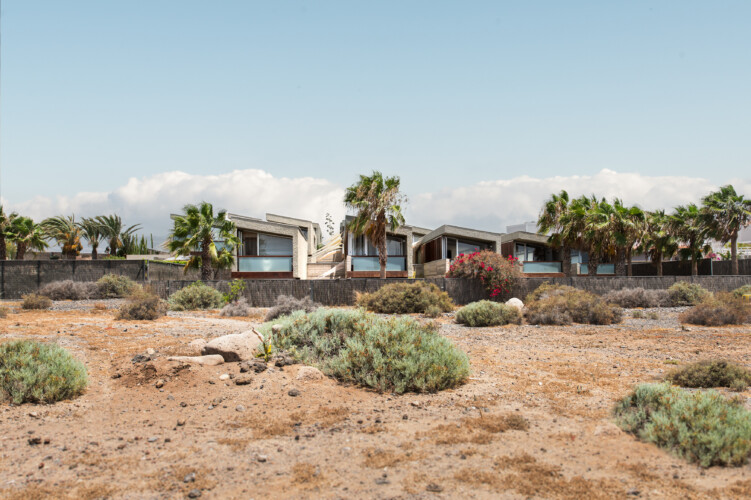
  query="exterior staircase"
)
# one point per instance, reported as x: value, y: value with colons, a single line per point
x: 327, y: 262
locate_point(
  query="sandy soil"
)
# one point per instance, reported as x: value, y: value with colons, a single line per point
x: 126, y: 438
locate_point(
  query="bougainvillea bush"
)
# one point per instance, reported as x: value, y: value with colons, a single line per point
x: 497, y: 273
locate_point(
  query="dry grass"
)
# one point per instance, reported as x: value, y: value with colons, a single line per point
x: 476, y: 430
x: 377, y: 458
x: 263, y: 427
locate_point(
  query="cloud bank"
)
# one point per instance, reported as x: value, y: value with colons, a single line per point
x: 489, y: 205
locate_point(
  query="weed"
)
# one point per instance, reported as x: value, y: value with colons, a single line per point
x: 744, y: 290
x: 142, y: 305
x: 653, y: 315
x: 236, y: 289
x: 286, y: 304
x: 195, y: 296
x: 638, y: 314
x: 684, y: 293
x: 406, y: 298
x: 36, y: 301
x: 711, y: 373
x: 487, y: 313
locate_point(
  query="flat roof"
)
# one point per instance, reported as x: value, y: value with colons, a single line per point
x: 461, y: 232
x: 525, y: 237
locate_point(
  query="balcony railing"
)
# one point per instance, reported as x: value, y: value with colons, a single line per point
x: 264, y: 264
x: 540, y: 267
x: 363, y: 263
x: 601, y: 269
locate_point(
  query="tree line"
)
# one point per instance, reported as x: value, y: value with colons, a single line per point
x: 610, y: 231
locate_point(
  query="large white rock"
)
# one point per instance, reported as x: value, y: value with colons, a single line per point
x: 308, y: 373
x: 234, y: 347
x: 196, y: 346
x: 212, y: 360
x: 514, y: 302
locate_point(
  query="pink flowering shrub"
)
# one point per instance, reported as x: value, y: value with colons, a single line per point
x: 497, y: 273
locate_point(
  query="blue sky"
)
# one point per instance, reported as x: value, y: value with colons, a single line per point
x: 444, y: 94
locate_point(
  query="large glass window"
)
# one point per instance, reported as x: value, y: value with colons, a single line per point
x: 362, y: 246
x: 274, y: 245
x: 394, y: 246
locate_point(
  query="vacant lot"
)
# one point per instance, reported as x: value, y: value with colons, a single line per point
x: 127, y: 438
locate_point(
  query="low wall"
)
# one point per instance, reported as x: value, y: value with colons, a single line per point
x: 706, y: 267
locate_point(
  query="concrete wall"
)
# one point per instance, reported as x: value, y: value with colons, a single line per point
x: 706, y: 267
x: 436, y: 268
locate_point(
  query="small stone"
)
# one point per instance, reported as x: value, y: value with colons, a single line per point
x: 405, y: 417
x: 159, y: 384
x: 183, y: 404
x: 382, y: 480
x: 217, y: 401
x: 262, y: 458
x: 194, y: 493
x: 243, y: 380
x: 34, y: 441
x: 190, y: 478
x: 239, y: 408
x: 153, y: 439
x: 33, y: 414
x: 150, y: 351
x: 633, y: 492
x: 41, y: 465
x: 433, y: 487
x: 293, y: 392
x: 308, y: 373
x: 180, y: 422
x: 224, y: 376
x: 141, y: 358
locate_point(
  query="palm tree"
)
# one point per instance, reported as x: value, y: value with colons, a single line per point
x: 549, y: 221
x: 615, y: 228
x: 66, y: 232
x: 577, y: 230
x: 5, y: 222
x: 91, y: 231
x: 658, y: 242
x: 725, y: 213
x: 378, y: 203
x: 111, y: 227
x: 194, y: 232
x: 26, y: 235
x: 689, y: 226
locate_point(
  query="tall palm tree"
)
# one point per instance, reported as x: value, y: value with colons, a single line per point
x: 615, y: 228
x: 577, y: 230
x: 634, y: 230
x: 658, y: 242
x: 5, y: 223
x: 27, y: 236
x: 91, y: 231
x: 66, y: 232
x: 726, y: 213
x: 549, y: 221
x: 689, y: 226
x: 194, y: 232
x: 112, y: 228
x: 378, y: 203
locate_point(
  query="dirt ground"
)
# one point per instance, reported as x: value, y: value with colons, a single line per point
x: 126, y: 438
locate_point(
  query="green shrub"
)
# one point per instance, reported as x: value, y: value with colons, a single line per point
x: 563, y: 305
x: 744, y: 290
x: 390, y: 355
x: 236, y: 290
x: 433, y: 312
x: 286, y: 304
x: 114, y: 286
x: 497, y: 273
x: 487, y: 313
x: 711, y: 373
x: 405, y: 298
x: 638, y: 314
x: 725, y: 309
x: 653, y: 315
x: 702, y: 426
x: 684, y: 293
x: 195, y: 296
x: 142, y: 305
x: 35, y: 301
x: 638, y: 297
x: 70, y: 290
x: 39, y: 373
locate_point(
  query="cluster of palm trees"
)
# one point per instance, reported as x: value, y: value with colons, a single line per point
x: 612, y: 231
x: 26, y: 235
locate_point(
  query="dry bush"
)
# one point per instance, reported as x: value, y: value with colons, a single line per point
x: 563, y: 305
x: 684, y: 293
x: 142, y: 305
x: 4, y: 311
x: 638, y: 297
x: 487, y: 313
x: 114, y: 286
x: 36, y: 301
x: 100, y: 306
x: 286, y: 305
x: 70, y: 290
x: 638, y: 314
x: 433, y: 312
x: 744, y: 290
x: 406, y: 298
x: 239, y: 307
x: 195, y: 296
x: 725, y: 309
x: 711, y: 373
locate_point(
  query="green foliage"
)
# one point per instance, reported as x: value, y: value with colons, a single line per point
x: 405, y: 298
x: 35, y: 301
x: 142, y: 305
x: 114, y: 286
x: 497, y: 273
x: 638, y: 297
x: 236, y: 289
x: 653, y: 315
x: 562, y: 305
x: 66, y: 232
x: 286, y: 304
x: 390, y: 355
x: 744, y: 290
x: 724, y: 309
x: 433, y: 311
x: 195, y: 296
x: 487, y: 313
x: 638, y: 314
x: 683, y: 293
x: 711, y: 373
x: 702, y: 426
x: 31, y: 372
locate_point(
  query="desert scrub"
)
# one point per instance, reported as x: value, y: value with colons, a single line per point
x: 638, y: 314
x: 684, y: 293
x: 740, y: 292
x: 142, y: 305
x: 286, y: 304
x: 35, y: 301
x: 724, y: 309
x: 487, y: 313
x: 4, y: 311
x: 239, y: 307
x: 711, y: 373
x: 638, y: 297
x: 563, y: 305
x: 31, y: 372
x: 387, y: 354
x: 433, y: 311
x: 406, y: 298
x: 701, y: 426
x: 70, y: 290
x: 195, y: 296
x: 114, y: 286
x: 653, y: 315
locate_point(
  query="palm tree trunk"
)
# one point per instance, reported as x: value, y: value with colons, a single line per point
x: 205, y: 260
x: 592, y: 267
x: 658, y: 263
x: 620, y: 262
x: 566, y: 261
x: 382, y: 257
x: 3, y: 248
x: 734, y: 253
x: 630, y: 271
x: 694, y: 258
x: 20, y: 251
x: 94, y: 254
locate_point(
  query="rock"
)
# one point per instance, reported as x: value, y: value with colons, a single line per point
x: 255, y: 365
x: 239, y: 408
x: 224, y: 376
x: 34, y: 441
x: 210, y: 360
x: 141, y: 358
x: 150, y: 351
x: 514, y: 302
x: 234, y: 347
x: 153, y: 439
x: 262, y: 458
x: 308, y: 373
x: 180, y: 422
x: 194, y: 493
x: 283, y: 359
x: 293, y: 392
x: 433, y: 487
x: 243, y: 380
x: 196, y: 346
x: 190, y: 478
x: 159, y: 384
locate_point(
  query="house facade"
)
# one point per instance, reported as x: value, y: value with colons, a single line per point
x: 434, y: 252
x: 361, y: 257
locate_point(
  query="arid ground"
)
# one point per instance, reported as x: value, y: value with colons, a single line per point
x: 127, y: 438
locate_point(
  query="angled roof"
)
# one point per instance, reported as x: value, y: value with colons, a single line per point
x: 460, y: 232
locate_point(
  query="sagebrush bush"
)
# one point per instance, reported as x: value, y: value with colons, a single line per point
x: 638, y: 297
x: 433, y: 312
x: 70, y: 290
x: 142, y: 305
x: 563, y: 305
x: 405, y: 298
x: 114, y: 286
x: 195, y: 296
x: 638, y: 314
x: 724, y: 309
x: 684, y: 293
x: 390, y: 355
x: 31, y: 372
x: 701, y: 426
x: 744, y: 290
x: 487, y: 313
x: 711, y: 373
x: 286, y: 304
x: 35, y: 301
x: 239, y: 307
